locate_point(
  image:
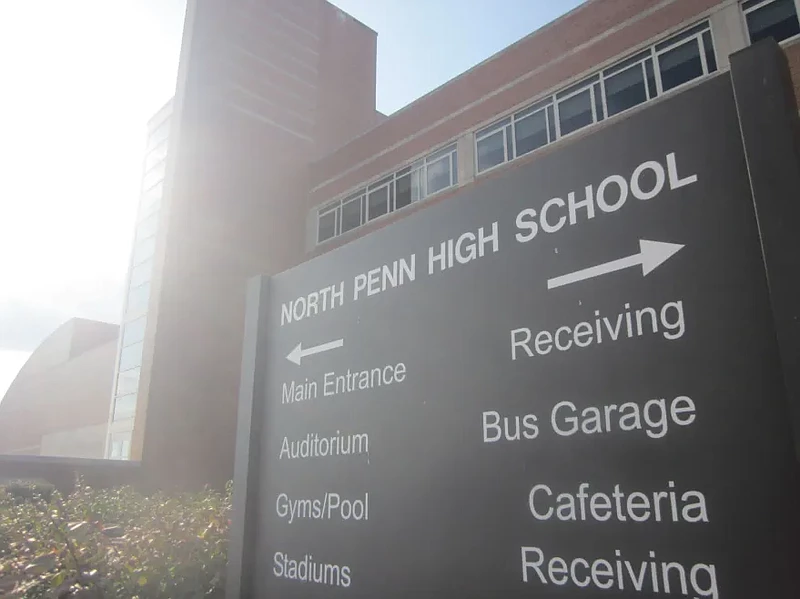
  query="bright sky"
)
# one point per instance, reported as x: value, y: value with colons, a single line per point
x: 80, y: 80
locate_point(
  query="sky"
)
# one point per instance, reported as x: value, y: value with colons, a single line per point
x: 78, y: 88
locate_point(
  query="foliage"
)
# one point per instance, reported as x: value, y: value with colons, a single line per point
x: 97, y: 544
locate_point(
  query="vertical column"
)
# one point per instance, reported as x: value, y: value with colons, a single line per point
x: 727, y: 27
x: 768, y: 121
x: 466, y: 157
x: 241, y: 551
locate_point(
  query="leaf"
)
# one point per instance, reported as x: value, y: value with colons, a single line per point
x: 142, y: 581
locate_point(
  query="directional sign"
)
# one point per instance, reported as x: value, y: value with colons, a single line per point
x: 517, y: 411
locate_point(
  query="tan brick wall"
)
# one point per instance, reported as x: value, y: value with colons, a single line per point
x: 793, y: 54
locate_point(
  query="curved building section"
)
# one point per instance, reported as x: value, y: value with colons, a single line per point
x: 58, y: 403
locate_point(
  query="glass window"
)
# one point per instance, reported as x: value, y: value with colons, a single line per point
x: 150, y: 200
x: 326, y: 225
x: 625, y: 89
x: 134, y: 331
x: 378, y: 200
x: 402, y: 191
x: 124, y: 407
x: 144, y: 250
x: 576, y: 112
x: 492, y: 150
x: 159, y: 134
x: 128, y: 381
x: 137, y: 300
x: 155, y: 156
x: 680, y: 64
x: 130, y: 357
x: 551, y: 122
x: 439, y: 175
x: 351, y: 214
x: 147, y: 228
x: 530, y: 132
x: 141, y: 274
x: 711, y: 57
x: 417, y: 185
x: 154, y: 175
x: 775, y: 18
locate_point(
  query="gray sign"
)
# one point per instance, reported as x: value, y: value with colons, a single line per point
x: 562, y: 382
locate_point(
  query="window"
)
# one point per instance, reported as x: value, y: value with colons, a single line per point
x: 147, y: 228
x: 351, y: 214
x: 120, y: 446
x: 402, y: 189
x: 144, y: 250
x: 530, y: 131
x: 576, y: 112
x: 439, y: 174
x: 137, y: 300
x: 626, y: 86
x: 326, y: 224
x: 492, y: 144
x: 150, y: 200
x: 134, y: 331
x: 159, y: 134
x: 128, y: 381
x: 427, y: 176
x: 124, y: 407
x: 130, y: 357
x: 156, y: 155
x: 771, y: 18
x: 378, y: 198
x: 680, y: 64
x: 154, y: 175
x: 141, y: 273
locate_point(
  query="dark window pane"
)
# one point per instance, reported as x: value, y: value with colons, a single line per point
x: 531, y: 132
x: 651, y: 78
x: 575, y: 112
x: 708, y: 46
x: 625, y: 90
x: 378, y: 202
x: 551, y: 122
x: 327, y: 226
x: 438, y: 175
x: 351, y: 214
x: 454, y: 166
x: 491, y: 151
x: 402, y: 194
x: 680, y: 65
x: 777, y: 19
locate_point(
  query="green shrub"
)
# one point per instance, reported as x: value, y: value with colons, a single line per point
x: 112, y: 543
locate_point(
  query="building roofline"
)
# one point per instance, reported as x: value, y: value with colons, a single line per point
x: 497, y: 55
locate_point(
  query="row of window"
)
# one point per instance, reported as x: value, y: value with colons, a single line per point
x: 424, y: 178
x: 633, y: 81
x: 135, y: 318
x: 666, y: 65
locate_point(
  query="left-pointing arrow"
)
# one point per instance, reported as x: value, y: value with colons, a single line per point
x: 298, y: 353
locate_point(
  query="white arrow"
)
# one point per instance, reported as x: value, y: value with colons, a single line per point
x: 298, y: 353
x: 651, y: 255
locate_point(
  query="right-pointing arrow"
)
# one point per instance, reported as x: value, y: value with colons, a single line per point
x: 651, y: 255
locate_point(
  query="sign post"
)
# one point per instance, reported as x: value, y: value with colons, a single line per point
x: 566, y: 381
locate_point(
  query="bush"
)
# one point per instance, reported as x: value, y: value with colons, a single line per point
x: 97, y: 544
